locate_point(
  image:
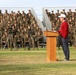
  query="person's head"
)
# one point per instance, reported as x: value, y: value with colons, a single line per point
x: 6, y: 11
x: 62, y: 17
x: 64, y: 10
x: 69, y: 10
x: 29, y: 11
x: 52, y: 12
x: 0, y: 11
x: 75, y: 10
x: 18, y: 12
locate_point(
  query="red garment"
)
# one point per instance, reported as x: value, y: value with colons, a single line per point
x: 64, y: 29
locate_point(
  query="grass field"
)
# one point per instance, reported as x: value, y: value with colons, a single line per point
x: 33, y: 62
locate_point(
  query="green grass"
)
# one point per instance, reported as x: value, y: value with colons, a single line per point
x: 34, y: 62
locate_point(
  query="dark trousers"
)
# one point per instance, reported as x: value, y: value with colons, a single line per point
x: 65, y: 47
x: 27, y: 44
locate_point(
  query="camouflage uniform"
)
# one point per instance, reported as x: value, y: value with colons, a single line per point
x: 3, y: 41
x: 74, y: 36
x: 27, y: 41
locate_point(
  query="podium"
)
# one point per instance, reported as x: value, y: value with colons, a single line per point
x: 51, y: 45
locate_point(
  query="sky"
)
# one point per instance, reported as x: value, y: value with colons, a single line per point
x: 37, y: 5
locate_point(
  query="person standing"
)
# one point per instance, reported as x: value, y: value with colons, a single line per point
x: 64, y: 31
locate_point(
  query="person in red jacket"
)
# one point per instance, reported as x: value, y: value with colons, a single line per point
x: 63, y: 31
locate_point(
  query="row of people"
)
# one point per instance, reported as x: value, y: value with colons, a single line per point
x: 19, y: 29
x: 70, y: 17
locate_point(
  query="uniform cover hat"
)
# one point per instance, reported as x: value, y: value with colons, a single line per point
x: 62, y: 15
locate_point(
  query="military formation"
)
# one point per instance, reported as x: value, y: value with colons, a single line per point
x: 71, y: 18
x: 19, y: 30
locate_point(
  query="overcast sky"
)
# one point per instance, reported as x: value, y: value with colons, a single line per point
x: 37, y: 4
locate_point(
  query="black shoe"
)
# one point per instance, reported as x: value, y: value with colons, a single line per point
x: 28, y: 48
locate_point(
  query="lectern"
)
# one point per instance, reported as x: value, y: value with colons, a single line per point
x: 51, y: 45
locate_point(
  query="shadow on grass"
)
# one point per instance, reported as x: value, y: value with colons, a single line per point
x: 67, y: 60
x: 72, y: 59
